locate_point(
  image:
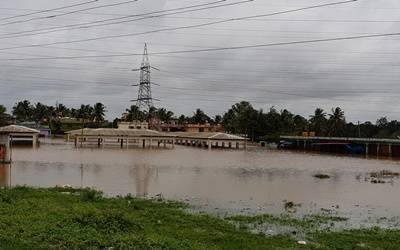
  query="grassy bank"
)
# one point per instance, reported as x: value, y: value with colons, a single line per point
x: 71, y: 219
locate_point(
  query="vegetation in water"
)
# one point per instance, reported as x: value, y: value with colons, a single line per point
x: 322, y: 176
x: 382, y: 177
x: 67, y: 218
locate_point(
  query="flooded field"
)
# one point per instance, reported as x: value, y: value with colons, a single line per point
x: 250, y: 182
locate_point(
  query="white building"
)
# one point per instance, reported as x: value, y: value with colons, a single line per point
x: 133, y: 125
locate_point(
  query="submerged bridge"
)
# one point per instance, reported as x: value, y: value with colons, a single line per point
x: 367, y: 146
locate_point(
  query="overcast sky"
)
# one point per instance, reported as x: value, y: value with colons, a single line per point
x: 361, y: 76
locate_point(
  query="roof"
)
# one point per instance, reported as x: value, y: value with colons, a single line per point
x: 118, y: 132
x: 16, y: 129
x: 208, y: 135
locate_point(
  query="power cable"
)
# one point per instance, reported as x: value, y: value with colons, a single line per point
x: 69, y: 13
x: 182, y: 27
x: 49, y: 10
x: 202, y: 50
x: 98, y: 22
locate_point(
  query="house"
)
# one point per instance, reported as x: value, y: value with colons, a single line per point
x: 133, y: 125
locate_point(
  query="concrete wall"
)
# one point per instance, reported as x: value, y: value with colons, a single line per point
x: 4, y: 148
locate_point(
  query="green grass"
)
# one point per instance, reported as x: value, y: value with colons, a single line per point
x: 66, y: 218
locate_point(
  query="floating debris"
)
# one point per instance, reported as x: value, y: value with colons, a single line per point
x: 322, y: 176
x: 384, y: 174
x: 382, y: 177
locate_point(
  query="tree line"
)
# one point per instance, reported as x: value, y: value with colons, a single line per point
x: 242, y: 118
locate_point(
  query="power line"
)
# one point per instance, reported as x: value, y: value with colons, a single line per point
x: 49, y: 10
x: 206, y: 50
x: 69, y: 13
x: 184, y: 27
x: 99, y: 22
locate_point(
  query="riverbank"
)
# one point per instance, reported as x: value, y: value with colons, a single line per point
x: 72, y: 218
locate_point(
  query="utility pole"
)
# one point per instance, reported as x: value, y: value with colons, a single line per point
x: 359, y: 129
x: 144, y: 100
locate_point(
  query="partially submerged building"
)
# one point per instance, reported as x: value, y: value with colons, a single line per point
x: 14, y: 134
x: 126, y: 138
x: 123, y: 138
x: 133, y: 125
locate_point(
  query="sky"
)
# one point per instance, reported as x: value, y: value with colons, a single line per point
x: 361, y: 75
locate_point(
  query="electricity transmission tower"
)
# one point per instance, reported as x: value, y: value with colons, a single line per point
x: 144, y: 100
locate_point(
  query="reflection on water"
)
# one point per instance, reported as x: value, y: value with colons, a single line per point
x: 142, y: 177
x: 253, y: 181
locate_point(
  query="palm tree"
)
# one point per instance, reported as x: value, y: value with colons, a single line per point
x: 151, y: 113
x: 23, y: 111
x: 134, y: 113
x: 182, y: 119
x: 318, y: 122
x: 200, y: 117
x: 40, y: 112
x: 98, y: 112
x: 164, y: 115
x: 85, y: 112
x: 62, y: 110
x: 336, y: 122
x: 217, y: 119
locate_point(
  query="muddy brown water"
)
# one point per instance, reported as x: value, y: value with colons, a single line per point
x: 253, y: 181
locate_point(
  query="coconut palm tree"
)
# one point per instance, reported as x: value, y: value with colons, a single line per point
x: 200, y: 117
x: 23, y: 111
x: 336, y: 122
x: 318, y: 122
x: 98, y: 112
x: 134, y: 113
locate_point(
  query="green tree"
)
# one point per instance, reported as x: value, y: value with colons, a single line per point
x: 336, y: 122
x: 164, y: 115
x: 200, y: 117
x: 318, y: 122
x: 62, y: 111
x: 98, y: 114
x: 241, y: 119
x: 4, y: 117
x: 85, y: 112
x: 218, y: 119
x: 40, y: 112
x: 134, y: 113
x: 300, y: 124
x: 182, y: 119
x: 286, y: 122
x: 23, y: 111
x: 151, y: 113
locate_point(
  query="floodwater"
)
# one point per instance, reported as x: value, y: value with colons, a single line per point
x: 253, y: 181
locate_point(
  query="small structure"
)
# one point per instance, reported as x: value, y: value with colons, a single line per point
x: 133, y: 125
x: 120, y: 137
x: 15, y: 134
x: 44, y: 132
x: 210, y: 140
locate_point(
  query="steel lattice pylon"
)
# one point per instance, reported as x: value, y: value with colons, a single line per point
x: 145, y: 99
